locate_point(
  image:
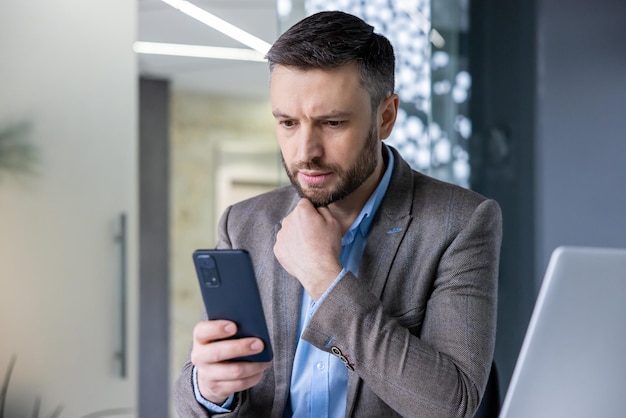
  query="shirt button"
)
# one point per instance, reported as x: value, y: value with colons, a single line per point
x: 320, y: 366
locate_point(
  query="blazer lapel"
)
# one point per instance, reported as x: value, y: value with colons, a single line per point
x: 388, y: 229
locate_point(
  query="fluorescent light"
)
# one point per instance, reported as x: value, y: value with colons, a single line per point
x: 198, y: 51
x: 221, y: 25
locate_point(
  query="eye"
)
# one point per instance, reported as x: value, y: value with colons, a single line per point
x: 334, y: 123
x: 286, y: 123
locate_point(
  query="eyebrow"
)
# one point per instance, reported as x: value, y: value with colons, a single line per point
x: 335, y: 114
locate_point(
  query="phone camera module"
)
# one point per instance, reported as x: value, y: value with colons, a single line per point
x: 206, y: 261
x: 210, y: 277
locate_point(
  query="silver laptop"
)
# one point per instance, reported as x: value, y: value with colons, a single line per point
x: 573, y: 359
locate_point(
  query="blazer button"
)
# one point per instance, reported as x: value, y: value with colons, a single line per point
x: 336, y: 351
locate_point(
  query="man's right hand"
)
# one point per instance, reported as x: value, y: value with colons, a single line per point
x: 218, y: 377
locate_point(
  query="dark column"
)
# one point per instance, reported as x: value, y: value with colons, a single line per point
x: 153, y: 249
x: 502, y: 109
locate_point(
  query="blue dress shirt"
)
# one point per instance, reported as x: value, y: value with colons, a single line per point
x: 319, y: 380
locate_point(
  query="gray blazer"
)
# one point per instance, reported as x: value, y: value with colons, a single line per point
x: 417, y: 327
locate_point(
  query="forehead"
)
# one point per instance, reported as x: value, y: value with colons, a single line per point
x: 338, y: 87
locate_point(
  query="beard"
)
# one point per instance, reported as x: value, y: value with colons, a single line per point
x: 349, y: 180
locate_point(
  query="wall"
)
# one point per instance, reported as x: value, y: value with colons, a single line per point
x: 213, y: 140
x: 581, y: 126
x: 68, y: 73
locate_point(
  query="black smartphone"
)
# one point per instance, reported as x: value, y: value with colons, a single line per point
x: 229, y: 291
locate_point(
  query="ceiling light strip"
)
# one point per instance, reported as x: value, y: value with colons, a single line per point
x: 221, y: 25
x: 197, y: 51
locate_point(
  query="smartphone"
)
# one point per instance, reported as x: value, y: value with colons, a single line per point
x: 229, y: 291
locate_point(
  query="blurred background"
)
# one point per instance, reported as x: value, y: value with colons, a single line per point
x: 126, y: 127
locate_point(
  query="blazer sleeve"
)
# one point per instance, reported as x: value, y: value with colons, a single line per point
x: 441, y: 369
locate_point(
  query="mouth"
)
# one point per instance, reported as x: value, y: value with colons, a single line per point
x: 314, y: 178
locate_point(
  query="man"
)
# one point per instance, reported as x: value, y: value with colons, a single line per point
x: 378, y: 283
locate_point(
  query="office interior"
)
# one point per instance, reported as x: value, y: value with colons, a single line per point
x: 115, y: 166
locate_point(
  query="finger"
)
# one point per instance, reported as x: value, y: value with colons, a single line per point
x: 305, y: 207
x: 309, y: 209
x: 305, y: 203
x: 326, y: 213
x: 224, y: 350
x: 219, y: 381
x: 207, y: 331
x: 232, y: 371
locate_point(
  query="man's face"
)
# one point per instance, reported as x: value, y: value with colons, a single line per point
x: 328, y: 139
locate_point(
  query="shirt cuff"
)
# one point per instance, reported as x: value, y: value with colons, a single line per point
x: 206, y: 403
x: 332, y: 285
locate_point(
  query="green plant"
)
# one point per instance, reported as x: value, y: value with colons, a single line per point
x: 37, y: 403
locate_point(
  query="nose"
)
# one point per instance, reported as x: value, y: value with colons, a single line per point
x: 310, y: 144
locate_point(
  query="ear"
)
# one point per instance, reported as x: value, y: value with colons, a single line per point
x: 387, y: 112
